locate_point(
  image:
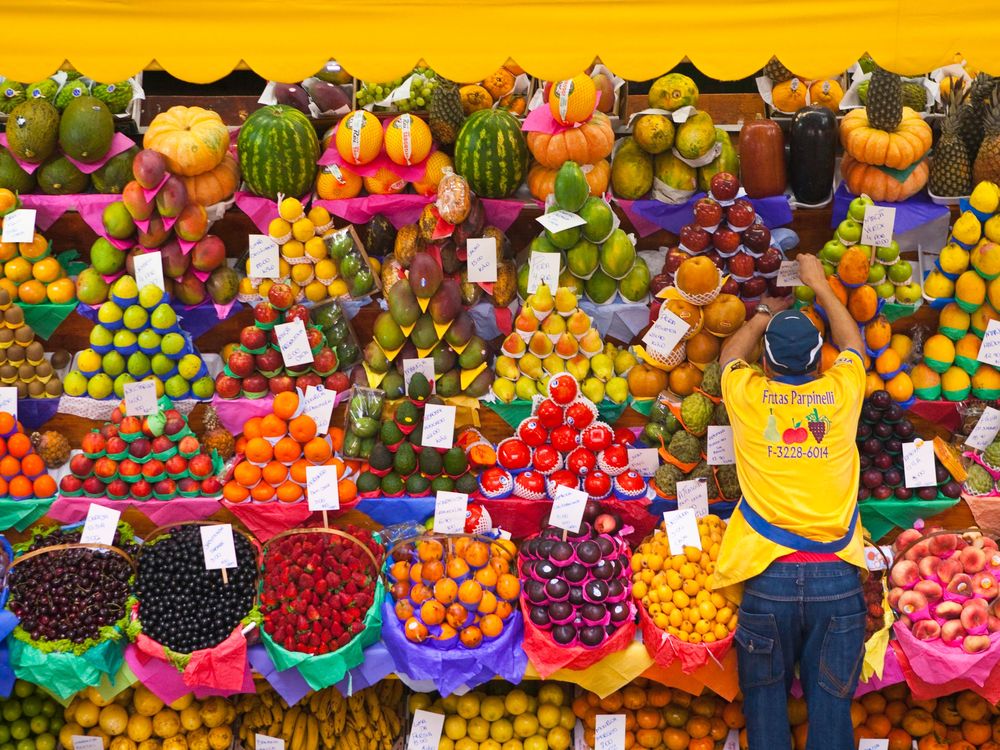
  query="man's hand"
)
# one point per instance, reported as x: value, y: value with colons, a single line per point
x: 811, y: 272
x: 777, y: 304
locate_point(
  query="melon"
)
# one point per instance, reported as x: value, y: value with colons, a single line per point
x: 278, y: 149
x: 86, y: 129
x: 115, y: 174
x: 59, y: 176
x: 33, y: 130
x: 491, y: 153
x: 12, y: 177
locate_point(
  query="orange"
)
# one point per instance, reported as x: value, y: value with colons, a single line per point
x: 384, y: 182
x: 405, y: 150
x: 336, y: 436
x: 800, y: 735
x: 251, y: 428
x: 259, y: 450
x: 432, y: 612
x: 647, y: 718
x: 9, y: 467
x: 19, y: 445
x: 334, y: 181
x: 7, y: 200
x: 698, y: 727
x: 675, y: 739
x: 35, y: 249
x: 797, y: 713
x: 469, y: 592
x: 235, y: 492
x: 274, y: 473
x: 285, y: 405
x: 46, y: 270
x: 901, y: 740
x: 8, y: 250
x: 9, y: 286
x: 471, y: 636
x: 347, y: 490
x: 3, y: 487
x: 61, y: 291
x: 20, y: 486
x: 404, y: 610
x: 879, y: 724
x: 289, y: 492
x: 359, y: 137
x: 477, y: 555
x: 702, y: 743
x: 246, y: 474
x: 508, y: 587
x: 287, y: 450
x: 491, y: 625
x: 732, y: 714
x: 32, y: 465
x: 273, y: 426
x: 302, y: 428
x: 262, y: 493
x: 873, y: 703
x: 719, y: 729
x: 31, y: 292
x: 317, y: 450
x: 298, y: 471
x: 445, y: 591
x: 241, y: 445
x: 976, y: 732
x: 573, y: 100
x: 44, y: 486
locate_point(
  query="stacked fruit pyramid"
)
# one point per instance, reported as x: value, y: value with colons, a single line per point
x: 22, y: 358
x: 138, y: 337
x: 143, y: 458
x: 275, y: 451
x: 255, y: 367
x: 399, y: 465
x: 23, y: 474
x: 31, y: 274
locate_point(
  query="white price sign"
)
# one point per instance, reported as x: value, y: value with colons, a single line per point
x: 218, y: 546
x: 877, y: 227
x: 450, y: 511
x: 567, y: 508
x: 720, y: 446
x: 693, y: 494
x: 986, y: 429
x: 294, y: 343
x: 543, y: 268
x: 876, y: 561
x: 322, y: 491
x: 411, y: 367
x: 425, y: 730
x: 100, y: 526
x: 609, y: 732
x: 8, y: 400
x: 989, y: 348
x: 682, y: 530
x: 140, y: 398
x: 263, y: 257
x: 788, y: 273
x: 19, y: 226
x: 149, y: 270
x: 267, y: 742
x: 873, y: 744
x: 482, y: 259
x: 318, y: 404
x: 439, y: 426
x: 83, y: 742
x: 665, y: 332
x: 918, y: 464
x: 732, y: 740
x: 559, y: 221
x: 644, y: 460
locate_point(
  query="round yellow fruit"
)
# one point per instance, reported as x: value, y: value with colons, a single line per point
x: 985, y: 197
x: 359, y: 137
x: 954, y: 259
x: 938, y: 286
x: 455, y: 727
x: 407, y: 140
x: 970, y: 289
x: 967, y: 229
x: 113, y: 720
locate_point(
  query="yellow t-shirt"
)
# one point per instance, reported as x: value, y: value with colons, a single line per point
x: 797, y: 463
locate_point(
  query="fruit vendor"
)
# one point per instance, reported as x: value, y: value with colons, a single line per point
x: 793, y: 549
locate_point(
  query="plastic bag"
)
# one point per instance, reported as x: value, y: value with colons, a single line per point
x: 364, y: 411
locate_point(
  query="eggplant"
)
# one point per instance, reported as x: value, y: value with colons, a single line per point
x: 813, y: 150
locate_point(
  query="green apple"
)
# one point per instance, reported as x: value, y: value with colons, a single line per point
x: 74, y: 384
x: 832, y: 251
x: 804, y: 294
x: 138, y: 365
x: 203, y: 387
x: 120, y: 382
x: 828, y: 268
x: 888, y: 254
x: 172, y: 344
x: 876, y: 274
x: 125, y: 288
x: 89, y: 361
x: 906, y: 294
x: 856, y: 210
x: 100, y: 386
x: 849, y: 232
x: 885, y: 290
x: 113, y: 363
x: 162, y: 364
x: 901, y: 272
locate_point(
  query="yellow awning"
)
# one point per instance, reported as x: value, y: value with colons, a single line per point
x: 465, y: 40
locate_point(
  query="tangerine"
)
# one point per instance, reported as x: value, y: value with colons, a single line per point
x: 36, y: 249
x: 7, y: 200
x: 347, y: 490
x: 235, y: 492
x: 18, y: 270
x: 698, y: 727
x: 44, y: 486
x: 317, y: 451
x: 259, y: 450
x: 31, y: 292
x: 61, y: 291
x: 287, y: 450
x: 8, y: 250
x: 302, y: 428
x: 262, y: 493
x: 432, y: 612
x: 491, y: 626
x: 298, y: 471
x: 251, y: 428
x: 9, y: 467
x: 46, y: 270
x: 471, y: 636
x: 469, y: 592
x: 274, y: 473
x: 285, y: 405
x: 445, y: 590
x: 336, y: 436
x: 246, y: 474
x: 19, y: 445
x: 289, y: 492
x: 273, y: 426
x: 20, y: 486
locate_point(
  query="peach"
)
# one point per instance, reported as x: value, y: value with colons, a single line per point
x: 952, y: 631
x: 930, y: 589
x: 973, y: 616
x: 906, y: 538
x: 984, y: 584
x: 993, y: 624
x: 905, y: 573
x: 927, y: 630
x: 973, y: 559
x: 928, y: 566
x: 912, y: 601
x: 948, y: 569
x: 941, y: 545
x: 948, y: 610
x: 973, y: 644
x: 894, y: 593
x: 961, y: 585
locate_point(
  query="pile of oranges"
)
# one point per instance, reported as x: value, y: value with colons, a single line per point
x: 31, y: 274
x: 675, y: 590
x: 276, y: 449
x: 22, y: 470
x: 657, y: 717
x: 454, y: 591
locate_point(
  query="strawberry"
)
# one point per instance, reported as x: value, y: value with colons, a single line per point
x: 322, y: 586
x: 301, y: 624
x: 312, y: 613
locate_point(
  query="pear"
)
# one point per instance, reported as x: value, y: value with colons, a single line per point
x: 554, y: 326
x: 504, y: 390
x: 602, y: 366
x: 541, y: 301
x: 590, y: 343
x: 578, y: 367
x: 624, y: 361
x: 543, y: 384
x: 189, y: 366
x: 125, y: 289
x: 531, y: 366
x: 578, y: 323
x: 567, y: 346
x: 540, y: 345
x: 506, y: 367
x: 553, y: 364
x: 617, y: 390
x: 593, y: 389
x: 526, y: 323
x: 109, y: 313
x: 513, y: 346
x: 566, y: 301
x: 163, y: 317
x: 525, y: 389
x: 150, y: 296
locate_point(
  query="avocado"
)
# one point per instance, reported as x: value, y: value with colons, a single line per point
x: 368, y: 482
x: 449, y: 384
x: 417, y: 485
x: 430, y: 462
x: 366, y: 446
x: 365, y: 427
x: 407, y: 414
x: 352, y: 445
x: 443, y: 484
x: 390, y: 434
x: 392, y: 384
x: 406, y: 460
x: 467, y: 484
x: 380, y: 458
x: 392, y: 484
x: 417, y: 436
x: 419, y: 389
x: 455, y: 462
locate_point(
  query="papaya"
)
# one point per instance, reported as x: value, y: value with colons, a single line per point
x: 673, y: 91
x: 695, y: 136
x: 631, y: 171
x: 676, y: 175
x: 727, y: 161
x: 571, y: 188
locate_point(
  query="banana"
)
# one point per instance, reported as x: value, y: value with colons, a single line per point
x: 299, y: 733
x: 288, y: 724
x: 312, y: 733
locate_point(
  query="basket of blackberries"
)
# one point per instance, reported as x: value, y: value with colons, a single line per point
x: 72, y: 602
x: 193, y: 617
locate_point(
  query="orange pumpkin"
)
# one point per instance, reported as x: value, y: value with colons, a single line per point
x: 541, y: 181
x: 645, y: 381
x: 586, y: 144
x: 899, y: 149
x: 193, y: 140
x: 215, y: 185
x: 864, y: 178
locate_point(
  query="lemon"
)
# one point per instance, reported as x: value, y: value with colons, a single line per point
x: 455, y: 728
x: 303, y: 229
x: 992, y: 228
x: 954, y: 259
x: 548, y: 716
x: 468, y: 706
x: 938, y: 286
x: 551, y: 693
x: 316, y: 248
x: 525, y: 725
x: 985, y: 259
x: 967, y: 229
x: 939, y: 352
x: 315, y: 291
x: 985, y: 197
x: 953, y: 321
x: 478, y: 729
x: 293, y: 249
x: 516, y: 703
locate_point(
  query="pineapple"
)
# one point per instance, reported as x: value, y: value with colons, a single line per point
x: 972, y: 112
x: 987, y: 164
x: 217, y: 437
x: 951, y: 168
x: 52, y: 446
x: 777, y: 72
x: 885, y: 102
x: 445, y: 114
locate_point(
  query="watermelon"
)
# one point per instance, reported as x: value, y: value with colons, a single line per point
x: 491, y: 153
x: 278, y: 149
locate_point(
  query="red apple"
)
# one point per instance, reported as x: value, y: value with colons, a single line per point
x: 707, y: 213
x: 200, y: 466
x: 263, y: 312
x: 176, y: 464
x: 142, y: 489
x: 140, y: 448
x: 726, y: 241
x: 757, y: 237
x: 152, y: 468
x: 741, y: 265
x: 694, y: 238
x: 70, y: 485
x: 770, y: 261
x: 117, y: 488
x: 189, y: 485
x: 755, y: 287
x: 297, y: 312
x: 741, y: 214
x: 116, y: 445
x: 338, y: 382
x: 93, y: 443
x: 241, y: 363
x: 280, y: 296
x: 228, y: 387
x: 129, y: 468
x: 717, y: 259
x: 210, y: 487
x: 325, y: 361
x: 255, y: 384
x: 175, y: 422
x: 315, y: 338
x: 724, y: 186
x: 81, y: 466
x: 269, y: 362
x: 189, y: 445
x: 731, y: 287
x: 118, y: 414
x: 304, y: 381
x: 281, y: 384
x: 660, y: 282
x: 253, y: 338
x: 161, y: 443
x: 675, y: 256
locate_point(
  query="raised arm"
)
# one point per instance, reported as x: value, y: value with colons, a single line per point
x: 845, y: 331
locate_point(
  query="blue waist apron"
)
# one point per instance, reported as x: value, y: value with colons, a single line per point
x: 792, y: 540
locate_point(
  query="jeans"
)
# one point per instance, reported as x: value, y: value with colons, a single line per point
x: 813, y: 614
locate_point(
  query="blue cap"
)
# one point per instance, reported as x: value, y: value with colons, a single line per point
x: 792, y: 344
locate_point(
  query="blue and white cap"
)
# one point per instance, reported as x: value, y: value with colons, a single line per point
x: 792, y: 344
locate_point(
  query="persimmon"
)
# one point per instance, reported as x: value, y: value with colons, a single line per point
x: 259, y: 450
x: 275, y: 473
x: 235, y: 492
x: 287, y: 450
x: 403, y: 609
x: 246, y: 474
x: 289, y: 492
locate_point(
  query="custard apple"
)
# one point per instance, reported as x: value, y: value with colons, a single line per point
x: 720, y: 417
x: 684, y: 447
x: 992, y: 454
x: 711, y: 380
x: 696, y: 412
x: 704, y: 471
x: 11, y: 94
x: 44, y: 89
x: 666, y: 478
x: 116, y: 95
x: 729, y: 482
x: 979, y: 481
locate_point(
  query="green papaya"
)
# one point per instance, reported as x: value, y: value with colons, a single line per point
x: 696, y: 136
x: 631, y: 170
x: 679, y: 180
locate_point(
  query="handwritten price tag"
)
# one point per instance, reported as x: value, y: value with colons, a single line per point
x: 450, y: 510
x: 218, y: 546
x: 140, y: 398
x: 609, y: 732
x: 482, y: 259
x: 263, y: 257
x: 82, y: 742
x: 8, y: 400
x: 989, y: 348
x: 986, y: 429
x: 558, y: 221
x: 874, y: 560
x: 543, y: 268
x: 873, y: 744
x: 567, y: 508
x: 412, y: 366
x: 318, y: 404
x: 788, y: 273
x: 682, y: 530
x: 19, y: 225
x: 293, y: 343
x: 425, y: 731
x: 644, y: 460
x: 693, y: 494
x: 877, y: 227
x: 322, y: 491
x: 720, y: 446
x: 266, y: 742
x: 665, y: 332
x: 918, y: 464
x: 149, y: 270
x: 439, y: 426
x: 100, y: 526
x: 732, y: 740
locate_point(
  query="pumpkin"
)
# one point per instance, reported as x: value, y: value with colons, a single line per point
x: 499, y: 84
x: 826, y: 93
x: 899, y: 149
x: 789, y: 96
x: 542, y: 181
x: 645, y: 381
x: 192, y: 140
x: 514, y: 103
x: 215, y: 185
x: 474, y: 98
x: 586, y: 144
x: 868, y: 179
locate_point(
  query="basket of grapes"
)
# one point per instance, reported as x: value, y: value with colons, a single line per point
x: 189, y: 618
x: 72, y: 601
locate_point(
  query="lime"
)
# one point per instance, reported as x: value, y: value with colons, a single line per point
x: 23, y: 689
x: 45, y: 742
x: 39, y: 724
x: 26, y: 744
x: 20, y: 729
x: 7, y: 746
x: 11, y: 711
x: 32, y: 706
x: 4, y: 733
x: 56, y: 723
x: 50, y: 708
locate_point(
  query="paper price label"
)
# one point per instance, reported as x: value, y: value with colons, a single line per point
x: 918, y: 464
x: 543, y: 268
x: 644, y: 460
x: 876, y: 561
x: 266, y: 742
x: 140, y: 398
x: 720, y: 446
x: 693, y: 494
x: 732, y: 740
x: 294, y: 343
x: 321, y: 488
x: 100, y: 526
x: 149, y: 270
x: 989, y: 348
x: 877, y: 227
x: 665, y: 332
x: 412, y: 366
x: 873, y: 744
x: 318, y: 404
x: 788, y: 273
x: 82, y: 742
x: 439, y: 426
x: 19, y: 225
x: 482, y: 259
x: 8, y: 400
x: 558, y: 221
x: 567, y: 508
x: 218, y: 546
x: 609, y: 732
x: 425, y: 731
x: 986, y: 429
x: 682, y: 530
x: 450, y: 511
x: 263, y: 257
